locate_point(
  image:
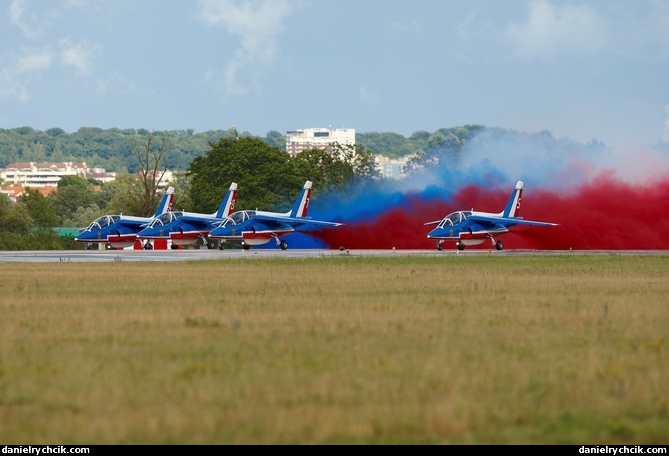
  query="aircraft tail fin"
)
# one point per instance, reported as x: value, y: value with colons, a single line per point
x: 301, y: 205
x: 166, y: 203
x: 512, y: 208
x: 227, y: 206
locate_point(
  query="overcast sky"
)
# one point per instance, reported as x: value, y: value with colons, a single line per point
x: 581, y: 69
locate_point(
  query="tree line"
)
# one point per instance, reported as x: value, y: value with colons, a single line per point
x: 112, y: 149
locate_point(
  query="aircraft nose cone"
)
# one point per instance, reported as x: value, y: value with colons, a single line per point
x: 217, y: 232
x: 223, y: 231
x: 437, y: 232
x: 146, y: 232
x: 86, y: 236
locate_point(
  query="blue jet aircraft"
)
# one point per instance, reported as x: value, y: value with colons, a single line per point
x: 185, y: 228
x: 473, y: 228
x: 259, y: 227
x: 120, y: 231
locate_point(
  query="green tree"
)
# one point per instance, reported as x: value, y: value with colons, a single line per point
x: 446, y: 147
x: 182, y: 189
x: 276, y: 139
x: 72, y: 179
x: 58, y: 155
x: 9, y: 152
x: 119, y: 195
x: 14, y: 218
x: 73, y: 192
x: 17, y: 228
x: 34, y: 152
x: 55, y: 132
x: 40, y: 208
x: 358, y: 160
x: 337, y: 168
x: 263, y: 173
x: 82, y: 216
x: 319, y: 166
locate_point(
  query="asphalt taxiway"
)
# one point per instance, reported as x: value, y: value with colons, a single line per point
x: 100, y: 256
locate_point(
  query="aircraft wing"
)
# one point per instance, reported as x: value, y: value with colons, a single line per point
x: 295, y: 221
x: 509, y: 221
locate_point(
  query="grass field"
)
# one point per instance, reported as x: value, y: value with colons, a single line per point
x: 561, y: 349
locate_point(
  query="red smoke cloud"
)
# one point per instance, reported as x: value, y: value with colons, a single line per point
x: 603, y: 214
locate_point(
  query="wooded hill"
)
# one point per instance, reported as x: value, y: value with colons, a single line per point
x: 114, y: 149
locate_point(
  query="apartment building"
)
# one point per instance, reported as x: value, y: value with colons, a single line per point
x: 45, y: 174
x: 317, y: 138
x: 391, y: 168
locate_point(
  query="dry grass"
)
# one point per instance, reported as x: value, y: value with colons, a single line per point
x: 555, y: 349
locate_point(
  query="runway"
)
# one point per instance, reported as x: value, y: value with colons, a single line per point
x: 101, y: 256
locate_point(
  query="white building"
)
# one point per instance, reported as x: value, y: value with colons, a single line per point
x: 391, y: 168
x: 317, y: 138
x: 45, y: 174
x: 102, y: 175
x: 162, y: 184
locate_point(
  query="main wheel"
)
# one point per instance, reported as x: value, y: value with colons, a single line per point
x: 284, y: 245
x: 245, y: 246
x: 148, y: 246
x: 499, y: 245
x: 461, y: 246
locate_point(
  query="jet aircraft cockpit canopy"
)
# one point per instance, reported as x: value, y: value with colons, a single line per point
x: 227, y: 221
x: 103, y: 222
x: 241, y: 216
x: 165, y: 218
x: 454, y: 218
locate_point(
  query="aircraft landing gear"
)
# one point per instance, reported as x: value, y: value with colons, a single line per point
x: 439, y: 247
x: 499, y: 245
x: 245, y: 246
x: 460, y: 245
x: 148, y: 246
x: 280, y: 243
